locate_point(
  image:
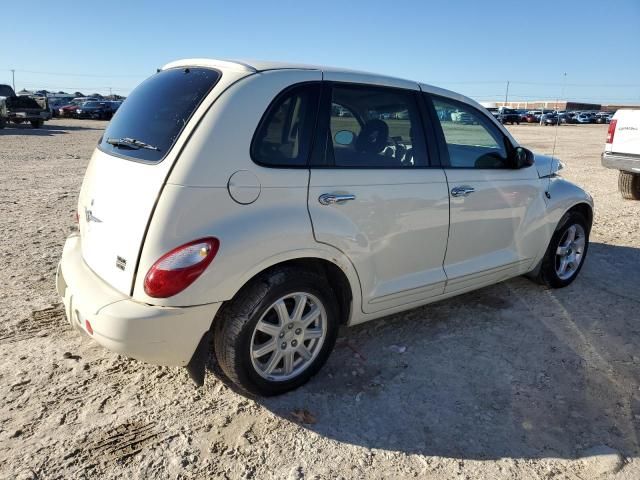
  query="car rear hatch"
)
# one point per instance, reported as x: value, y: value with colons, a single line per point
x: 134, y: 157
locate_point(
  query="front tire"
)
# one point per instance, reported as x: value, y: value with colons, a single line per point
x: 566, y: 253
x: 629, y: 185
x: 277, y: 332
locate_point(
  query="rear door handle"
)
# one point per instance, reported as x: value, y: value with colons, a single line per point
x: 462, y: 191
x: 331, y: 198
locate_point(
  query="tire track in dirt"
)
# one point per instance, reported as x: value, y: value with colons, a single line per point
x: 117, y: 445
x: 39, y: 324
x: 97, y: 453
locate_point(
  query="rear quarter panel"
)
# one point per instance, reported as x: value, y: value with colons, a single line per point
x: 196, y: 202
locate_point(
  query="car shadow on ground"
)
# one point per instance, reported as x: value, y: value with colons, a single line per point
x: 512, y: 370
x: 47, y: 130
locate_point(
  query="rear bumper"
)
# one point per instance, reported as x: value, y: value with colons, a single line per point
x: 158, y: 335
x: 28, y: 116
x: 628, y: 163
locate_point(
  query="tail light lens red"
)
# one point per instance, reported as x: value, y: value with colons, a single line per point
x: 612, y: 131
x: 179, y: 268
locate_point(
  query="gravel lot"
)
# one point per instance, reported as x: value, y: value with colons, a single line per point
x: 510, y: 382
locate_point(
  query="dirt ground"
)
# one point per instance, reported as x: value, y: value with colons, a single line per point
x: 510, y: 382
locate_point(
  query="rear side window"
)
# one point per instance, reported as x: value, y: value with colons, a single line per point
x: 150, y: 120
x: 283, y: 138
x: 374, y: 127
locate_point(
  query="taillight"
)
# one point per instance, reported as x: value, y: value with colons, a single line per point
x: 179, y: 268
x: 612, y: 131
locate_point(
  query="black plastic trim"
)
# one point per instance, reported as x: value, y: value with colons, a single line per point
x: 196, y: 368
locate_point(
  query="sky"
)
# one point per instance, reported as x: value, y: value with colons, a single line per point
x: 472, y: 47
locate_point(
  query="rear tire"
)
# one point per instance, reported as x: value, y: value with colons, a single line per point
x: 36, y: 123
x: 252, y: 322
x: 629, y: 185
x: 569, y: 243
x: 3, y: 123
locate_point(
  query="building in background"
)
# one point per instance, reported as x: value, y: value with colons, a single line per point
x: 562, y: 105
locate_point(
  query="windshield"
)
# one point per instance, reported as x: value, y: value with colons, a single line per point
x: 90, y: 104
x: 156, y: 112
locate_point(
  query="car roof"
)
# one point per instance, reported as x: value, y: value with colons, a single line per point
x: 255, y: 66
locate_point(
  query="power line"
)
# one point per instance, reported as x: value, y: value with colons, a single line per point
x: 92, y: 75
x: 454, y: 82
x: 491, y: 96
x: 58, y: 87
x: 551, y: 84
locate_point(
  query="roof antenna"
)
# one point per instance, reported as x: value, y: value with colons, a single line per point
x: 555, y: 137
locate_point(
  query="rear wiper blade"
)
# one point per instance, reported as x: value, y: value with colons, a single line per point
x: 131, y: 143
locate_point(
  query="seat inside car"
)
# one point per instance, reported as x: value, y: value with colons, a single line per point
x: 373, y: 137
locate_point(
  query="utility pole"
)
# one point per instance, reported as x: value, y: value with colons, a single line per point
x: 506, y: 94
x: 13, y: 79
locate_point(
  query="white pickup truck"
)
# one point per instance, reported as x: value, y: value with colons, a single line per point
x: 622, y: 151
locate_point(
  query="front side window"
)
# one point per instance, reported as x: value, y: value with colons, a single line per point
x: 472, y: 141
x: 150, y: 120
x: 283, y: 138
x: 374, y: 127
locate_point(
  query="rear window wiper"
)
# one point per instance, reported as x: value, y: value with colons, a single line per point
x: 131, y: 143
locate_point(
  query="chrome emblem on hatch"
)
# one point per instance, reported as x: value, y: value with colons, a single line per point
x: 121, y: 263
x: 88, y: 215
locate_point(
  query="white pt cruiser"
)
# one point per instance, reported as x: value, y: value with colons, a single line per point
x: 249, y: 210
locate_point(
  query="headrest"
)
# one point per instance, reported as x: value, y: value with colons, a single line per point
x: 373, y: 137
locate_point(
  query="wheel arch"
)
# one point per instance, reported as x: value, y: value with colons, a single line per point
x: 338, y: 270
x: 585, y: 210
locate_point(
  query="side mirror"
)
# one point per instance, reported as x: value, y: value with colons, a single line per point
x: 344, y: 137
x: 523, y: 158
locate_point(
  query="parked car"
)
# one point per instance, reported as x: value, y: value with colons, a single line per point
x: 532, y: 117
x: 505, y: 115
x: 56, y: 103
x: 69, y: 110
x: 459, y: 116
x: 583, y: 118
x: 508, y: 115
x: 622, y: 151
x: 95, y: 110
x: 115, y: 105
x: 603, y: 117
x: 550, y: 119
x: 221, y: 220
x: 22, y: 109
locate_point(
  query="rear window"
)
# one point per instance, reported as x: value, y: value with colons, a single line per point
x: 155, y: 113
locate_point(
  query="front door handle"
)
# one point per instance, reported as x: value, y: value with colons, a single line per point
x: 331, y: 198
x: 462, y: 191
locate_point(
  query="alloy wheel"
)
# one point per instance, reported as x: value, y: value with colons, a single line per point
x: 570, y: 252
x: 288, y: 336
